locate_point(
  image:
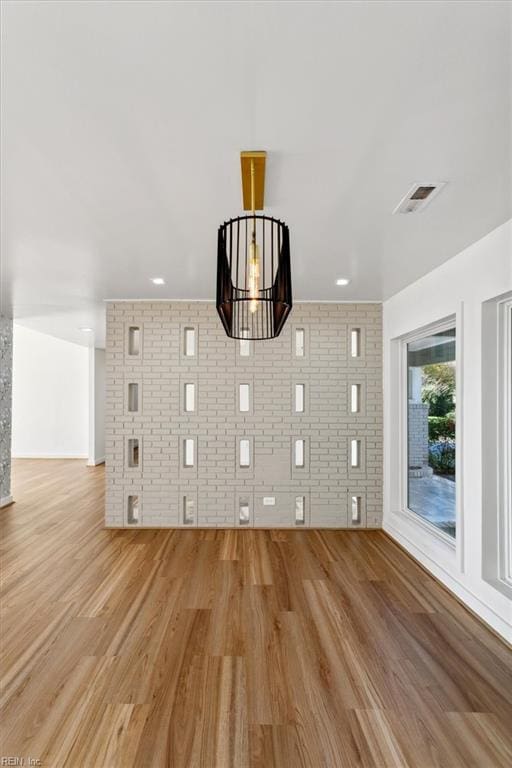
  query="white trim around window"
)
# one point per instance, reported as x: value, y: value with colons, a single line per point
x: 454, y: 544
x: 497, y: 443
x: 505, y: 441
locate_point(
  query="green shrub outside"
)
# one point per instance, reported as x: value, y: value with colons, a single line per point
x: 441, y: 457
x: 440, y: 427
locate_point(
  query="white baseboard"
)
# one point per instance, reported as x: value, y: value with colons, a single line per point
x: 473, y: 602
x: 49, y: 456
x: 95, y: 462
x: 6, y: 500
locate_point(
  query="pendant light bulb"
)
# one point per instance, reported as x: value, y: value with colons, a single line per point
x: 254, y: 254
x: 254, y: 274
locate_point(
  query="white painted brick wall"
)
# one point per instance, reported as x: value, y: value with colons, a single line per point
x: 418, y: 434
x: 217, y: 483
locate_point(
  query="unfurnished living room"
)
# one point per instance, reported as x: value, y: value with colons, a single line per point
x: 256, y: 384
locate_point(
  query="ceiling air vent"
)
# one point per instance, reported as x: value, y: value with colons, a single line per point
x: 419, y: 196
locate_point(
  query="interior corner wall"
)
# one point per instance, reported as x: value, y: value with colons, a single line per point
x: 96, y: 406
x: 458, y: 287
x: 217, y: 487
x: 5, y: 409
x: 50, y: 402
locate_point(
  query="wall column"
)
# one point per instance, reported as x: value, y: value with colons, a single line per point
x: 5, y: 409
x: 96, y: 407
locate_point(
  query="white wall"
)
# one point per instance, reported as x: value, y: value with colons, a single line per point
x: 50, y: 399
x: 96, y: 406
x: 458, y: 287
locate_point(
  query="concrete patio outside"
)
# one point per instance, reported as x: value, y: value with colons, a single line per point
x: 434, y: 499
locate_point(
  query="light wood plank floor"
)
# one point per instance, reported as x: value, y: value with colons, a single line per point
x: 232, y: 648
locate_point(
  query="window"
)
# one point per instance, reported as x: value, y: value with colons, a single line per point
x: 355, y: 510
x: 133, y: 397
x: 188, y: 452
x: 299, y: 342
x: 190, y: 397
x: 497, y: 442
x: 243, y: 512
x: 299, y: 398
x: 245, y: 453
x: 189, y: 509
x: 190, y: 342
x: 133, y: 510
x: 299, y: 453
x: 243, y: 398
x: 431, y: 416
x: 355, y: 453
x: 355, y: 342
x: 300, y: 518
x: 245, y: 344
x: 133, y: 452
x: 133, y: 340
x: 355, y: 398
x: 505, y: 440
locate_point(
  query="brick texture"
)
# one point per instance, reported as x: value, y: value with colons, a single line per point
x: 418, y: 434
x: 216, y: 486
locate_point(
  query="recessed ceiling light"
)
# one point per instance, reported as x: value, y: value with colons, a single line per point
x: 342, y: 281
x: 158, y: 281
x: 86, y: 330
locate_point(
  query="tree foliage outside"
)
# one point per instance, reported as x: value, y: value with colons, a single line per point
x: 438, y: 391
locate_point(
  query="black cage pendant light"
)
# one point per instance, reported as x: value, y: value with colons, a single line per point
x: 254, y: 286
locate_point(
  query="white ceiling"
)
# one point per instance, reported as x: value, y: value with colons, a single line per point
x: 123, y: 122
